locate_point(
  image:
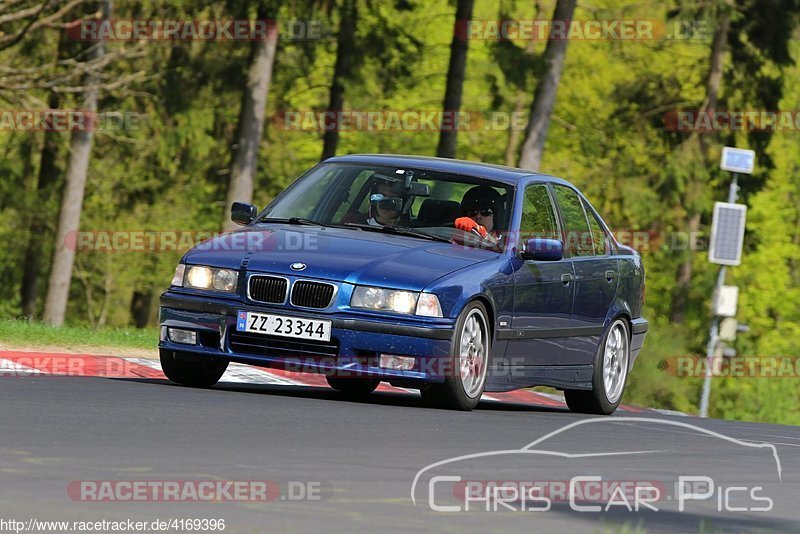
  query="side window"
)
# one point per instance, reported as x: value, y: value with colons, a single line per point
x: 577, y: 237
x: 538, y: 217
x: 598, y: 235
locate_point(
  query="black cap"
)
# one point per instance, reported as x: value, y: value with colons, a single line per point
x: 480, y: 197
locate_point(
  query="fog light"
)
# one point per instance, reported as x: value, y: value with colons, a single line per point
x: 398, y: 363
x: 186, y: 337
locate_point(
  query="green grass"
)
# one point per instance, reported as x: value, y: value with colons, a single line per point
x: 25, y: 334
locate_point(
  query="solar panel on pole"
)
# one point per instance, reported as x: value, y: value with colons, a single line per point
x: 727, y: 233
x: 737, y: 160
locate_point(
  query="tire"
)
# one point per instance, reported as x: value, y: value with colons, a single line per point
x: 611, y: 366
x: 353, y: 387
x: 191, y: 371
x: 470, y: 351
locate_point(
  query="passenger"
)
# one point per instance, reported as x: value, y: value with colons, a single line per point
x: 483, y: 210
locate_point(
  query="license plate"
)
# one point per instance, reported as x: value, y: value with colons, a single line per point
x: 282, y: 325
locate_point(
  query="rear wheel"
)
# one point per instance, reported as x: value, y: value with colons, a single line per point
x: 353, y: 387
x: 468, y: 364
x: 192, y: 371
x: 610, y: 374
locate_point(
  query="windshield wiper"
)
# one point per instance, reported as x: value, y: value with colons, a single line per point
x: 298, y: 221
x: 405, y: 231
x: 419, y: 233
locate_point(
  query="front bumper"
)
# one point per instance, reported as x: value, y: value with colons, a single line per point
x: 354, y: 350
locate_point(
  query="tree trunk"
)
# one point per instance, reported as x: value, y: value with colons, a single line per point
x: 342, y: 71
x: 48, y: 176
x: 140, y: 308
x: 72, y: 200
x: 683, y: 278
x: 108, y: 287
x: 514, y: 134
x: 545, y: 96
x: 717, y: 62
x: 251, y: 120
x: 456, y: 72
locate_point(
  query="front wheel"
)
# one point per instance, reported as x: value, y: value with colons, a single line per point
x: 192, y: 371
x: 468, y: 363
x: 610, y: 374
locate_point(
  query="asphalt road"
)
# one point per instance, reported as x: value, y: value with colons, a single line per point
x: 358, y: 460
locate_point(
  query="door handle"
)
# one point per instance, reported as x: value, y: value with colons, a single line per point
x: 566, y: 279
x: 610, y: 275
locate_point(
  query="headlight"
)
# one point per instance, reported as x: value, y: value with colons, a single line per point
x: 199, y: 277
x: 410, y: 302
x: 202, y: 277
x: 225, y: 280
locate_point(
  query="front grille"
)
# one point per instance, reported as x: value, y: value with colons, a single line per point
x: 268, y: 289
x: 260, y: 345
x: 312, y: 294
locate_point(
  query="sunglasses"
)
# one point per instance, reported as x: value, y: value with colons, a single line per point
x: 485, y: 212
x: 387, y: 203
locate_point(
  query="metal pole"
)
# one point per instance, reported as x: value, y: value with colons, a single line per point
x: 713, y: 335
x: 733, y: 190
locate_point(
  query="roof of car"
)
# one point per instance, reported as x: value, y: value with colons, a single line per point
x: 500, y: 173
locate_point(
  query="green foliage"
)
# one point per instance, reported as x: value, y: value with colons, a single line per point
x: 650, y: 384
x: 769, y: 281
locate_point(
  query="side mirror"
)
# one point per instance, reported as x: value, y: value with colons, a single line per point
x: 542, y: 249
x: 243, y: 213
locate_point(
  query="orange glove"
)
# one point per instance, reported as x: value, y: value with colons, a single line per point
x: 468, y: 225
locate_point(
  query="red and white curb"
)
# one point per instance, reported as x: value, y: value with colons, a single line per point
x: 32, y: 364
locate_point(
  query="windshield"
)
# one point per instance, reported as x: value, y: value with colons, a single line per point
x: 458, y: 208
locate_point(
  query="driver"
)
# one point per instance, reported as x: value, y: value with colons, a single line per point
x: 482, y: 210
x: 385, y: 204
x: 384, y: 212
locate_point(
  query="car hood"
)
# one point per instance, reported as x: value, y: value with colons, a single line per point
x: 358, y: 257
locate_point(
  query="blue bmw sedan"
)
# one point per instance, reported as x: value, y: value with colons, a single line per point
x: 451, y: 277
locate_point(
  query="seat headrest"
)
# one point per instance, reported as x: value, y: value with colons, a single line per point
x: 435, y: 212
